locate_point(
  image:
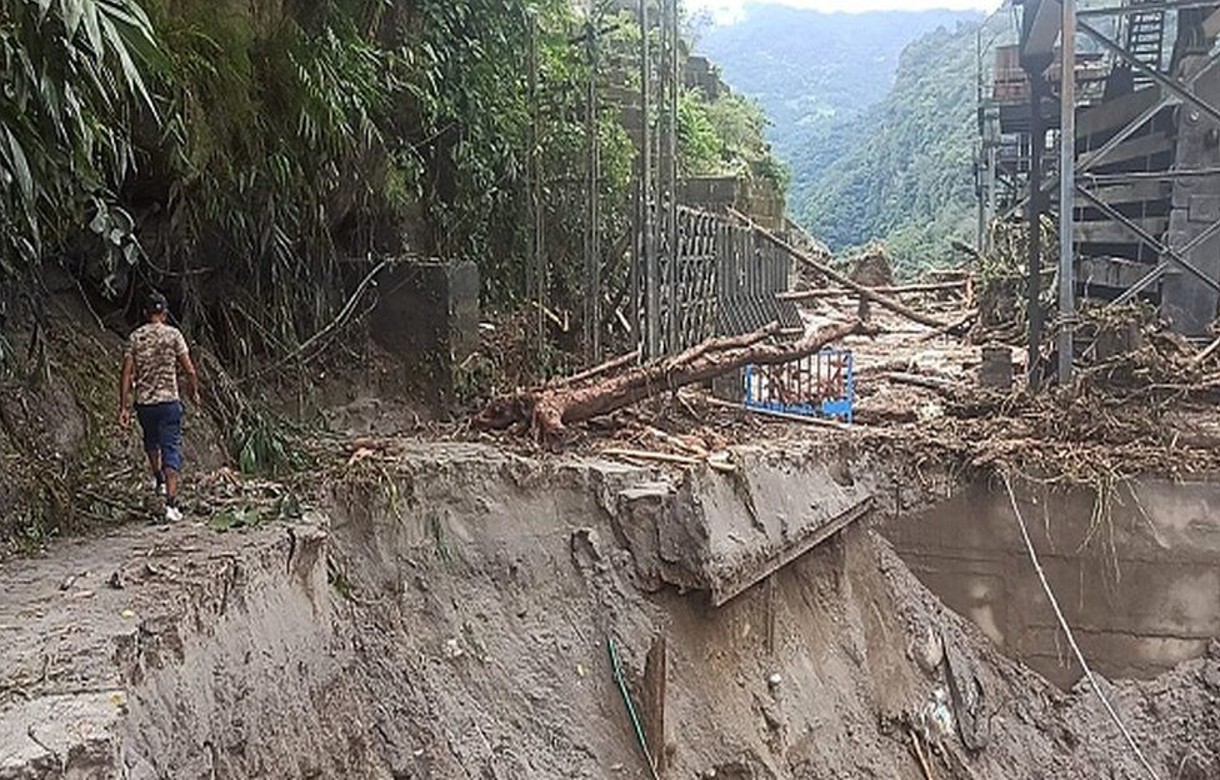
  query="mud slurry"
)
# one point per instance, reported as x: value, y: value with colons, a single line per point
x: 448, y: 618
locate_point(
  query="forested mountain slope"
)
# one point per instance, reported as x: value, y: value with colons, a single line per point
x: 872, y: 112
x: 811, y: 70
x: 906, y: 175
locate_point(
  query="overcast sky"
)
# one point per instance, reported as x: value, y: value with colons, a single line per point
x: 728, y: 10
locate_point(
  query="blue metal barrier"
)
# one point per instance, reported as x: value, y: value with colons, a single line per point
x: 820, y: 385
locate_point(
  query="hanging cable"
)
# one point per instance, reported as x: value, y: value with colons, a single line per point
x: 1088, y: 673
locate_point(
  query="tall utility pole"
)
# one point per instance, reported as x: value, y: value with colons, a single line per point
x: 671, y: 184
x: 1033, y: 305
x: 1067, y: 191
x: 981, y: 150
x: 536, y: 273
x: 592, y: 248
x: 664, y: 174
x: 652, y: 299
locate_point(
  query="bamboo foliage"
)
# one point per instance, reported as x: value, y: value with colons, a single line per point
x: 70, y: 77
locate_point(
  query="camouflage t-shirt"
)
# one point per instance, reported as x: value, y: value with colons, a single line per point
x: 155, y: 349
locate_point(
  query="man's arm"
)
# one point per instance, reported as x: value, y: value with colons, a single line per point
x: 188, y: 368
x: 125, y: 377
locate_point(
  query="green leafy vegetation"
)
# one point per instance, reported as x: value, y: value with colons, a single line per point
x: 71, y: 84
x: 251, y: 158
x: 725, y: 137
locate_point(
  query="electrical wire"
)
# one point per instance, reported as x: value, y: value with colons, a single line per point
x: 1088, y: 673
x: 616, y: 667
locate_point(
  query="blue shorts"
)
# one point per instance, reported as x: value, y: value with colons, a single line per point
x: 162, y: 426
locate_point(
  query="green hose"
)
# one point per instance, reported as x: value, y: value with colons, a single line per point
x: 617, y: 666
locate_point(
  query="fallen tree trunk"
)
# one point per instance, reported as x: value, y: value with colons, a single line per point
x: 864, y: 292
x: 546, y: 412
x: 922, y: 287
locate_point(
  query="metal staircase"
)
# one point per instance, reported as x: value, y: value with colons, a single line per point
x: 1146, y: 38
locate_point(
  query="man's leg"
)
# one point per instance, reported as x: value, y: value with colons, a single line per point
x: 171, y: 486
x: 150, y: 427
x: 154, y: 465
x: 170, y: 439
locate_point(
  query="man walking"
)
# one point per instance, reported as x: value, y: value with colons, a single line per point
x: 154, y: 352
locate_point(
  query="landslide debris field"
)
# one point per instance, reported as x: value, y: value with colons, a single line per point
x: 446, y: 613
x: 442, y: 602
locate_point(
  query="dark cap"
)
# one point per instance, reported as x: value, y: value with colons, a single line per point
x: 155, y: 303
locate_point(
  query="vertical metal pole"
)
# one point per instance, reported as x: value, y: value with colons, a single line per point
x: 1067, y: 191
x: 652, y: 300
x: 981, y: 159
x: 536, y: 278
x: 671, y: 151
x: 664, y: 163
x: 1037, y: 140
x: 595, y: 195
x: 591, y: 292
x: 990, y: 194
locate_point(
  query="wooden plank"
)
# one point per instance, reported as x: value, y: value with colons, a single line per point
x: 1114, y: 114
x: 734, y: 586
x: 1211, y: 25
x: 1106, y: 232
x: 1134, y: 192
x: 830, y: 292
x: 655, y: 673
x: 1136, y: 148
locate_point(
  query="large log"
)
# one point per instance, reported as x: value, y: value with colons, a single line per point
x: 804, y: 295
x: 546, y: 412
x: 864, y: 292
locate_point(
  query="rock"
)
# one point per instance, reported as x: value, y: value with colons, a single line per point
x: 929, y: 651
x: 1211, y: 676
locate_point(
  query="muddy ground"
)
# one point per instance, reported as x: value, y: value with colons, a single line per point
x: 445, y: 614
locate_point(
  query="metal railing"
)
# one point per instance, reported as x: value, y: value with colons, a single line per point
x: 820, y: 385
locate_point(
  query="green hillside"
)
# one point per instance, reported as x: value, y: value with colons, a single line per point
x: 906, y: 175
x: 811, y: 71
x: 874, y: 115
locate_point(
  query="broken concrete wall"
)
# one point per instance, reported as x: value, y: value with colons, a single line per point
x: 427, y: 315
x: 1139, y: 582
x: 724, y: 531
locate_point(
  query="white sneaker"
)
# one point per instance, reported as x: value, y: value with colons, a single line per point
x: 159, y: 487
x: 173, y: 514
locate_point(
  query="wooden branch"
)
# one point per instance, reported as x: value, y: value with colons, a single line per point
x: 802, y: 295
x: 961, y: 321
x: 1204, y: 354
x: 678, y: 442
x: 883, y: 300
x: 945, y: 387
x: 604, y: 368
x: 721, y: 343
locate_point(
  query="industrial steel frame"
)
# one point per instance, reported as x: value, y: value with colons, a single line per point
x: 1172, y: 91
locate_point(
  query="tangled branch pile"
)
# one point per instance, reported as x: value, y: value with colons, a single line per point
x: 546, y: 411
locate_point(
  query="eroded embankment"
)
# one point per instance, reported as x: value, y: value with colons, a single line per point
x: 448, y: 618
